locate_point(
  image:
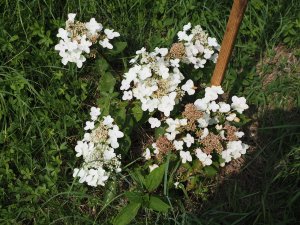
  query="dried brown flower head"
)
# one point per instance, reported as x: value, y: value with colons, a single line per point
x: 164, y: 146
x: 230, y: 132
x: 77, y: 29
x: 177, y: 51
x: 212, y: 142
x: 163, y: 88
x: 192, y: 114
x: 100, y: 134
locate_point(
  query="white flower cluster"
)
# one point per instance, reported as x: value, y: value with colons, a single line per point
x: 155, y: 80
x: 98, y: 150
x: 77, y: 38
x: 199, y: 47
x: 206, y: 127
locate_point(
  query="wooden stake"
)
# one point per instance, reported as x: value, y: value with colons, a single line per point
x: 233, y: 24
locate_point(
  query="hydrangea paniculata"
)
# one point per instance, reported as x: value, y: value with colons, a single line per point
x: 198, y: 46
x: 77, y: 38
x: 206, y: 128
x: 154, y: 81
x: 155, y: 77
x: 97, y: 149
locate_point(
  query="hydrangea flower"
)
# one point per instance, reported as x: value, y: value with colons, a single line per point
x: 189, y: 87
x: 154, y: 122
x: 155, y: 78
x: 98, y: 150
x: 239, y: 104
x: 203, y: 130
x: 78, y: 37
x: 198, y: 46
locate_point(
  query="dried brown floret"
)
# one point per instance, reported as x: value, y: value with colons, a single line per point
x: 177, y: 51
x: 77, y: 29
x: 212, y: 142
x: 100, y: 134
x: 94, y: 38
x: 198, y: 133
x: 93, y: 53
x: 230, y: 132
x: 163, y: 88
x: 192, y: 114
x: 164, y: 146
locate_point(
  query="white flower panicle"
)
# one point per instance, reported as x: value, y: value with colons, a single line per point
x: 155, y: 78
x: 206, y: 128
x: 98, y: 150
x: 77, y: 38
x: 199, y: 47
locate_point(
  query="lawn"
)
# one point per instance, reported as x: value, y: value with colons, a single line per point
x: 43, y: 107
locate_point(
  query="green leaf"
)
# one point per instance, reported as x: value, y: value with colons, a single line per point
x: 110, y: 192
x: 104, y: 102
x: 125, y: 143
x: 102, y: 65
x: 154, y: 179
x: 210, y: 171
x: 119, y: 114
x: 107, y: 83
x: 137, y: 176
x: 137, y: 112
x: 118, y: 47
x: 127, y: 214
x: 158, y: 205
x: 159, y: 131
x: 134, y: 196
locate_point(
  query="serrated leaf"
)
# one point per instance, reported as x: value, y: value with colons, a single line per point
x: 154, y: 179
x: 104, y: 102
x: 120, y: 116
x: 125, y: 143
x: 127, y: 214
x: 157, y: 204
x: 107, y: 83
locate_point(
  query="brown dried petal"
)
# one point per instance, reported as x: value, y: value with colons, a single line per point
x: 177, y: 51
x: 212, y: 142
x: 230, y: 132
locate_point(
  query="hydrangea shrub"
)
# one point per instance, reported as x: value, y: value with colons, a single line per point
x: 188, y: 144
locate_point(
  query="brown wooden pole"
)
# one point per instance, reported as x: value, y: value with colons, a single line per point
x: 232, y: 28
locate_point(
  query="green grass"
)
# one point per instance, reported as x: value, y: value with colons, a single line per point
x: 43, y: 106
